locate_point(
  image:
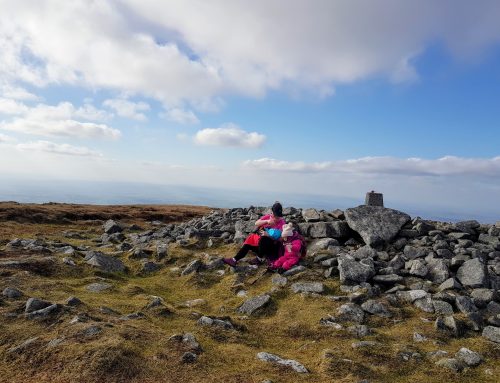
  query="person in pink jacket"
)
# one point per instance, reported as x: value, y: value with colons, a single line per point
x: 261, y: 241
x: 292, y: 249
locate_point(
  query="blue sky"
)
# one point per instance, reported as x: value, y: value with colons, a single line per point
x: 327, y: 99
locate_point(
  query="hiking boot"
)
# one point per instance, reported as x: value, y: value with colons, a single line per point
x: 256, y: 261
x: 229, y: 261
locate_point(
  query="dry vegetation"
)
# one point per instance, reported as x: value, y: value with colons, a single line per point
x: 139, y: 350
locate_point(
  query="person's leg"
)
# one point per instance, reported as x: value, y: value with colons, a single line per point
x: 279, y: 262
x: 289, y: 262
x: 268, y: 248
x: 244, y: 251
x: 240, y: 254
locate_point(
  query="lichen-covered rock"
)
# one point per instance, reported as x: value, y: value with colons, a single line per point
x: 308, y: 287
x: 492, y: 333
x: 12, y: 293
x: 271, y: 358
x: 376, y: 224
x: 192, y: 267
x: 253, y: 305
x: 376, y: 308
x: 473, y: 273
x: 105, y: 263
x: 351, y: 312
x: 97, y: 287
x: 469, y: 357
x: 451, y: 364
x: 111, y: 227
x: 34, y: 304
x: 353, y: 271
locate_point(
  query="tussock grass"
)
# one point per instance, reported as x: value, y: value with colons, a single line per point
x: 139, y: 350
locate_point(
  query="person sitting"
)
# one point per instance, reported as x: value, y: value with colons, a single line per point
x: 261, y: 241
x: 293, y: 249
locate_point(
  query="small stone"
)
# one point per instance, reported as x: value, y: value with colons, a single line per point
x: 132, y: 316
x: 34, y: 304
x: 55, y: 342
x: 308, y: 287
x: 449, y: 284
x: 470, y: 358
x: 23, y: 346
x: 418, y: 337
x: 207, y: 321
x: 465, y: 304
x: 442, y: 308
x: 492, y: 333
x: 190, y: 342
x: 195, y: 302
x: 189, y: 357
x: 73, y: 301
x: 388, y: 279
x: 294, y: 270
x: 192, y: 267
x: 451, y: 364
x: 12, y: 293
x: 351, y: 312
x: 98, y: 287
x: 279, y: 280
x: 424, y: 304
x: 275, y: 359
x: 43, y: 313
x: 411, y: 295
x: 91, y: 331
x: 105, y: 263
x: 359, y: 330
x: 450, y: 325
x: 255, y: 304
x: 69, y: 261
x: 376, y: 308
x: 111, y: 227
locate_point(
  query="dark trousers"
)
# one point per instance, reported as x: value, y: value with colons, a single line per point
x: 268, y: 248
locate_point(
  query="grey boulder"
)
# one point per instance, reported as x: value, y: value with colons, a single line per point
x: 254, y: 304
x: 105, y: 263
x: 376, y: 225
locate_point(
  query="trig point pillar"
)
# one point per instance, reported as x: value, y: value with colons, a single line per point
x: 374, y: 199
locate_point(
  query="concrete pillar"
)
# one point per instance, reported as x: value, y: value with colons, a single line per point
x: 374, y: 199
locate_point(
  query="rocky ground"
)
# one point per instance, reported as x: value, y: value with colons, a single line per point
x: 140, y: 294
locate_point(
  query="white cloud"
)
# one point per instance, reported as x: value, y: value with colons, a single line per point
x: 229, y: 135
x: 445, y: 166
x: 128, y: 109
x: 61, y: 128
x: 16, y: 93
x: 182, y: 116
x: 56, y: 120
x: 5, y: 139
x: 180, y: 52
x: 12, y: 107
x: 54, y: 148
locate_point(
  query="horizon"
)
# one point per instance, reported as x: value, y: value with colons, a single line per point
x: 235, y: 102
x: 127, y: 193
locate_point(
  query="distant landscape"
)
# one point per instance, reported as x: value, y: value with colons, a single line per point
x: 109, y: 193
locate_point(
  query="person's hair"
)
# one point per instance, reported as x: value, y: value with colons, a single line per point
x: 277, y: 209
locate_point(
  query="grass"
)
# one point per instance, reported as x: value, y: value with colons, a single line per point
x: 140, y: 350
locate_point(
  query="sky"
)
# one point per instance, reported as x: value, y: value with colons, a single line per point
x: 320, y: 99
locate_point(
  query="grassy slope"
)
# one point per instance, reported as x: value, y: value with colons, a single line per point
x: 139, y: 350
